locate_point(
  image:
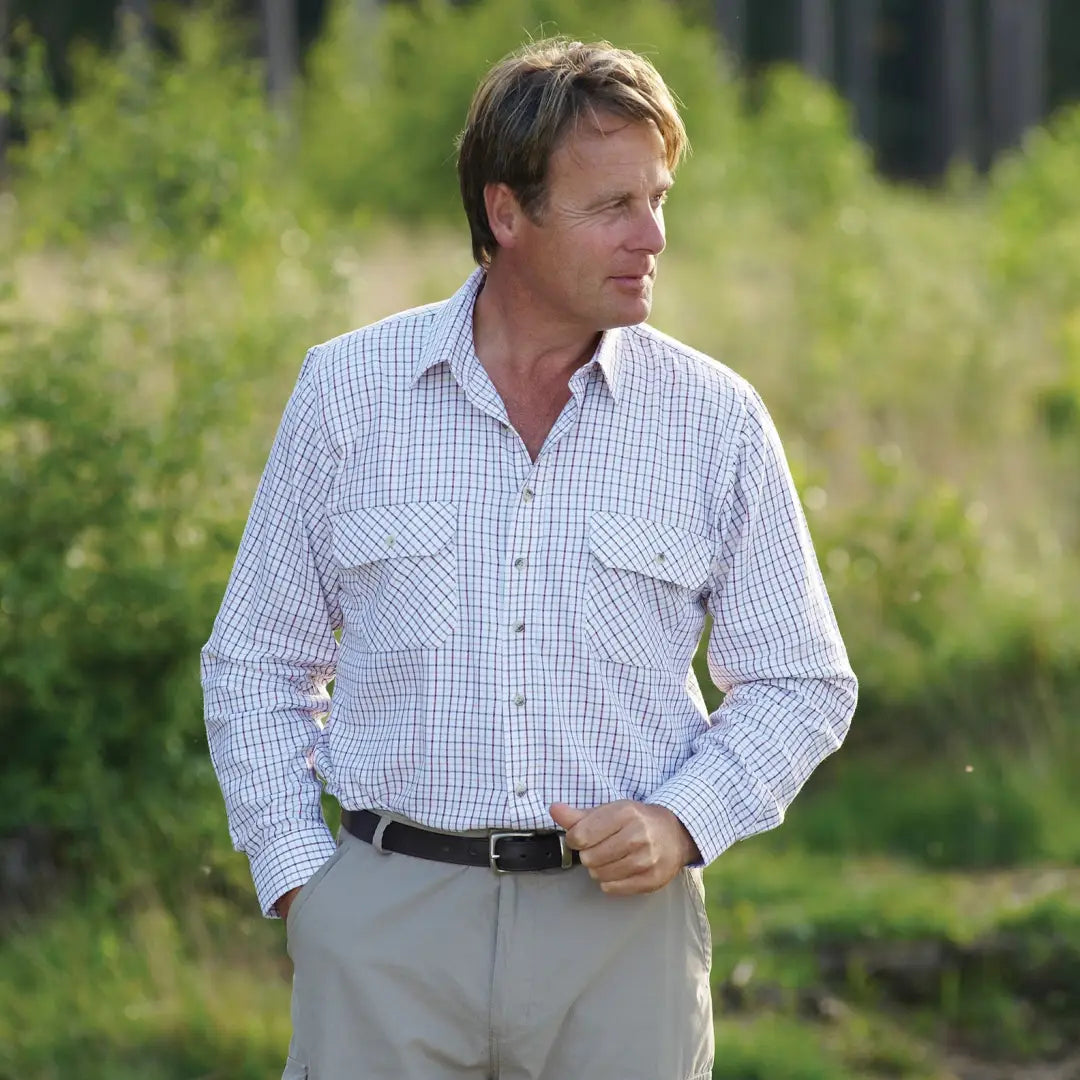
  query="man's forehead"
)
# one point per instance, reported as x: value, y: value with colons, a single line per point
x: 594, y: 125
x: 600, y: 139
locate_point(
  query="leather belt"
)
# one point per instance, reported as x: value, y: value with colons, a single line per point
x: 502, y: 851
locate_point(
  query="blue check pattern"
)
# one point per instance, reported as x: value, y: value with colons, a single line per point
x: 503, y: 633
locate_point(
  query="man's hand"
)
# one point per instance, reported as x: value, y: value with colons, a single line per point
x: 285, y: 902
x: 629, y: 847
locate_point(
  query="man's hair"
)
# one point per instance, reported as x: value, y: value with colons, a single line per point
x: 531, y: 99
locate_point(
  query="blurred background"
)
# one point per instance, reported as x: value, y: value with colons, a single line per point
x: 879, y: 227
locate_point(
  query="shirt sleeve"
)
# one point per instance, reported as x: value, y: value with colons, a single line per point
x: 776, y: 652
x: 271, y: 654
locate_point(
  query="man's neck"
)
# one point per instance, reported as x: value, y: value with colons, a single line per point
x: 517, y: 336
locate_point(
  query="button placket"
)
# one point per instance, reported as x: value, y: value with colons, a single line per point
x: 515, y: 640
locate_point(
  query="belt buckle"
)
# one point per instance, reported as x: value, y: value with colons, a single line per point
x: 566, y: 853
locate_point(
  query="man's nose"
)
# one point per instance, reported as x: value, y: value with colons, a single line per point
x: 649, y: 235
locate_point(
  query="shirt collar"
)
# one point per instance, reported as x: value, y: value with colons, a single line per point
x: 450, y: 339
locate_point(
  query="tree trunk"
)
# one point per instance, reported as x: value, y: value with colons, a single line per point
x: 952, y: 71
x: 5, y: 23
x: 1016, y: 69
x: 860, y: 53
x: 367, y: 22
x: 281, y: 42
x: 731, y: 24
x: 816, y: 38
x: 133, y: 18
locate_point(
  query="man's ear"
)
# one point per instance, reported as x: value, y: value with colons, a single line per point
x: 504, y: 213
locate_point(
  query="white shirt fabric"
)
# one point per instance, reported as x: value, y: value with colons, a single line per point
x: 513, y: 632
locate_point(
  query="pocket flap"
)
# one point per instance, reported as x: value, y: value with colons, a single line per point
x: 649, y: 547
x: 386, y: 532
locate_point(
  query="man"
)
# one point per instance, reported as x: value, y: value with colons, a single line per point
x: 517, y: 506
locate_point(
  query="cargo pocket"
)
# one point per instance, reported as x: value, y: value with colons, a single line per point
x: 398, y: 563
x: 645, y: 578
x: 294, y: 1070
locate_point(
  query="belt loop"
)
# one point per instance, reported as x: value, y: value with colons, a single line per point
x: 376, y: 840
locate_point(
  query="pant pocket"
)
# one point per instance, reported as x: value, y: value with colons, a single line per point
x: 695, y: 887
x: 294, y: 1070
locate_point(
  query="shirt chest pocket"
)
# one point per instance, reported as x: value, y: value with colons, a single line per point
x: 399, y: 581
x: 642, y: 599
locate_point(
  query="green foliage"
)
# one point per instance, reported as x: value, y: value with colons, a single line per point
x: 175, y: 154
x: 909, y: 559
x: 1036, y: 201
x: 912, y: 348
x: 773, y: 1048
x: 104, y: 604
x: 138, y: 995
x: 172, y: 247
x: 1036, y: 205
x: 972, y: 814
x: 804, y: 161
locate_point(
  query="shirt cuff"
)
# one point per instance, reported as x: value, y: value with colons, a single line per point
x: 716, y: 823
x: 287, y: 861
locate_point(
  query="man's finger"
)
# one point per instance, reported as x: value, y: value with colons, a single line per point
x: 599, y: 824
x: 566, y: 816
x: 630, y: 865
x: 635, y: 885
x: 608, y: 851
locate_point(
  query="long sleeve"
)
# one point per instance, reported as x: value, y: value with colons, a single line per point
x: 271, y: 654
x: 774, y: 650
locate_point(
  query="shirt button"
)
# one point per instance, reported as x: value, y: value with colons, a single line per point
x: 519, y: 626
x: 391, y: 540
x: 527, y: 495
x: 520, y: 788
x: 519, y: 562
x: 519, y: 699
x: 661, y: 558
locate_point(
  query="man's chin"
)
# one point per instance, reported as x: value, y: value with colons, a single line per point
x: 630, y: 314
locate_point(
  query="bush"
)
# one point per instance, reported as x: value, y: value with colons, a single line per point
x: 1035, y: 199
x: 177, y: 154
x: 105, y: 604
x: 907, y: 369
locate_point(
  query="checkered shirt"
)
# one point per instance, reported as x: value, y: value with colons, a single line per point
x: 503, y: 633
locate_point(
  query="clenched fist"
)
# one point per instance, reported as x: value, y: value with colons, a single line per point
x: 629, y: 847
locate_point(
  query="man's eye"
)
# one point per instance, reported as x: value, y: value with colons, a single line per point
x: 659, y: 199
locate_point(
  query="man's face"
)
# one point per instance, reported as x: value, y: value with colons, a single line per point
x: 590, y: 257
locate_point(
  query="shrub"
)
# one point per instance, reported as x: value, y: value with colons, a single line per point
x: 178, y: 154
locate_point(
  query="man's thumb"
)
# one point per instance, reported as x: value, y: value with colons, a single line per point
x: 564, y: 815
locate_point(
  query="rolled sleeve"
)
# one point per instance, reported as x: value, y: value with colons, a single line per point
x: 776, y: 652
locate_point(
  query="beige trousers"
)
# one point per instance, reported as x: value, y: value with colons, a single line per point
x: 408, y: 968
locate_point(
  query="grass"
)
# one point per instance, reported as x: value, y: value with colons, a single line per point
x: 984, y: 960
x: 811, y: 952
x: 141, y: 994
x: 918, y: 916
